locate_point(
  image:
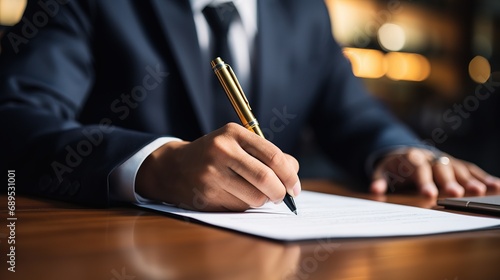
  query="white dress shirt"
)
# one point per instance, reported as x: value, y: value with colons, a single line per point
x: 241, y: 39
x: 241, y: 35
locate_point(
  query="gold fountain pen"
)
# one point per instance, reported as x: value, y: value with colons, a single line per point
x: 235, y: 94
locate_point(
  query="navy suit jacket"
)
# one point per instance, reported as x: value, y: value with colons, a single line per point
x: 86, y: 84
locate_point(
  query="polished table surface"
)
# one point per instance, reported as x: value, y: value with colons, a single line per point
x: 56, y: 240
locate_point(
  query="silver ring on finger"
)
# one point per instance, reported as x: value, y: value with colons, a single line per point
x: 440, y: 159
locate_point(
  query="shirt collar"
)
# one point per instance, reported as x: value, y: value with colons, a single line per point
x: 247, y: 10
x: 199, y: 5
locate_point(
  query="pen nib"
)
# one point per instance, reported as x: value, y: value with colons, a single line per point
x: 295, y: 212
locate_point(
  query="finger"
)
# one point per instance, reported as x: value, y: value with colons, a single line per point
x: 412, y: 164
x: 492, y: 183
x: 213, y: 197
x: 229, y: 202
x: 379, y: 180
x: 294, y: 162
x: 378, y: 186
x: 275, y: 159
x: 297, y: 188
x: 471, y: 185
x: 228, y: 150
x: 244, y: 192
x: 445, y: 179
x: 259, y: 175
x: 423, y: 174
x: 397, y: 168
x: 226, y: 191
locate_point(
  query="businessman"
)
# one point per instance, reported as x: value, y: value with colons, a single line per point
x: 105, y: 101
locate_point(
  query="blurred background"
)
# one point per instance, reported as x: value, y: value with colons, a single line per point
x: 434, y: 63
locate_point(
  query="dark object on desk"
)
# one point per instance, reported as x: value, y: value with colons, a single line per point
x: 490, y: 204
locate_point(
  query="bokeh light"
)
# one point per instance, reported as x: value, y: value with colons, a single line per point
x: 11, y: 11
x: 407, y: 66
x: 391, y: 37
x: 479, y: 69
x: 366, y: 63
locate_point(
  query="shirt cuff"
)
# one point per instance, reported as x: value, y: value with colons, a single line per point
x: 122, y: 178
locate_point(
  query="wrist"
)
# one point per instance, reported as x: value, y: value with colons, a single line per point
x: 158, y: 171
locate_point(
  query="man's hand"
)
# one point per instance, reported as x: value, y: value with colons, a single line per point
x: 445, y: 175
x: 228, y: 169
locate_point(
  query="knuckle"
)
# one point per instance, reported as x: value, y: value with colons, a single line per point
x: 219, y: 142
x: 231, y: 128
x: 276, y: 158
x: 415, y: 156
x: 473, y: 166
x: 220, y: 147
x: 264, y: 177
x: 205, y: 177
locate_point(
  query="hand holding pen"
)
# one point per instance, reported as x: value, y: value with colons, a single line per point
x: 228, y: 169
x: 237, y: 97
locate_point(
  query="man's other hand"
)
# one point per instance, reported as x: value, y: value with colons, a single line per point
x: 431, y: 174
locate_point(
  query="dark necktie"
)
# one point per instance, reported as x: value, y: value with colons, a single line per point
x: 220, y: 18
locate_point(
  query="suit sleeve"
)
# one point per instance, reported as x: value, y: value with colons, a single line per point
x: 352, y: 127
x: 46, y: 74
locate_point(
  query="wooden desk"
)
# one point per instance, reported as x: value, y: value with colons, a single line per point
x: 60, y: 241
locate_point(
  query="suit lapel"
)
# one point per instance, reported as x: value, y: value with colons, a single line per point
x: 177, y: 22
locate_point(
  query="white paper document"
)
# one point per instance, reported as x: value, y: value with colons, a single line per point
x: 331, y: 216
